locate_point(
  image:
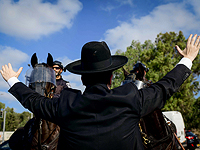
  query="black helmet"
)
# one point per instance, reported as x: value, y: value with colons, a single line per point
x: 58, y: 63
x: 138, y: 65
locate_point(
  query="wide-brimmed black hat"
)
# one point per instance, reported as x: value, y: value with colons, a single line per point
x: 95, y: 58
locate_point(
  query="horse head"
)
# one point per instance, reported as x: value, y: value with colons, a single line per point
x: 125, y: 72
x: 41, y: 77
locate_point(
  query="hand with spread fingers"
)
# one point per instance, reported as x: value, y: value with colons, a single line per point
x: 192, y: 47
x: 7, y: 72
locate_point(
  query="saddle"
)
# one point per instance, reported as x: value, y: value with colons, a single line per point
x: 46, y: 135
x: 37, y: 134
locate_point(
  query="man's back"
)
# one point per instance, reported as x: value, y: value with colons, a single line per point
x: 100, y: 118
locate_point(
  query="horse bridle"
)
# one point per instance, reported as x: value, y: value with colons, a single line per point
x: 42, y: 146
x: 148, y: 140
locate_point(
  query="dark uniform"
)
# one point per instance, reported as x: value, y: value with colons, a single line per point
x: 60, y: 85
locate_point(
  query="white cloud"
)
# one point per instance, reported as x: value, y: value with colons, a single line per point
x: 11, y: 101
x: 75, y: 80
x: 31, y: 19
x: 13, y: 56
x: 16, y: 58
x: 3, y: 84
x: 108, y: 7
x: 196, y: 4
x: 164, y: 18
x: 72, y: 78
x: 114, y: 4
x: 65, y: 60
x: 5, y: 96
x: 78, y: 86
x: 125, y: 2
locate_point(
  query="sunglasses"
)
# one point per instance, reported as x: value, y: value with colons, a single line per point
x: 57, y: 68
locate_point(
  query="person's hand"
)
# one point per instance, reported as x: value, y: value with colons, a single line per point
x: 7, y: 72
x: 192, y: 47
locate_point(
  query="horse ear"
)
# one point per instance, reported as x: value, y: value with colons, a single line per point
x: 50, y: 60
x: 125, y: 72
x: 34, y: 60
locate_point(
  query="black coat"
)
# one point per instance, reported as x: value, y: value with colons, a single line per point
x: 60, y: 85
x: 101, y: 119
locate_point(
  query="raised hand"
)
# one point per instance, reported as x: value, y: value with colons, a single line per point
x: 192, y: 47
x: 7, y: 72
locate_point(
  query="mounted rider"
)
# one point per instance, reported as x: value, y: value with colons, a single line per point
x: 155, y: 119
x: 38, y: 133
x: 137, y: 75
x: 60, y: 82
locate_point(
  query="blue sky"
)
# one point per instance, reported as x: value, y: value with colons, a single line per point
x: 62, y: 27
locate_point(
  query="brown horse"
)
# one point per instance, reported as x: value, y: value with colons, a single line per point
x: 38, y: 134
x: 47, y: 133
x: 157, y: 131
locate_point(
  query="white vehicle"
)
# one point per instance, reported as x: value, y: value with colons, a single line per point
x: 177, y: 119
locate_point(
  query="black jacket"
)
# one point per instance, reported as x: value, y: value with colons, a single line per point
x: 101, y: 119
x: 60, y: 85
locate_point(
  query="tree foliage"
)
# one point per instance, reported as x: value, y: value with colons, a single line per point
x: 161, y: 57
x: 13, y: 120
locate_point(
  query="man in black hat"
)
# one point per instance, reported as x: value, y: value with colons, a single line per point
x: 60, y: 83
x: 101, y: 118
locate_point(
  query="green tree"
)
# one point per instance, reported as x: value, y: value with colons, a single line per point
x: 23, y: 118
x: 133, y: 54
x: 11, y: 119
x: 196, y: 110
x: 2, y: 106
x: 161, y: 57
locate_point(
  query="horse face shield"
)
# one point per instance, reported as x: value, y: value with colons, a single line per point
x: 41, y: 79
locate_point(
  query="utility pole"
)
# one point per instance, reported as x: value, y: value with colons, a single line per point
x: 4, y: 125
x: 1, y: 113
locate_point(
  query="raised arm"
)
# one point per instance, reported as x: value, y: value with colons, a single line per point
x: 192, y: 47
x: 7, y: 72
x: 156, y: 95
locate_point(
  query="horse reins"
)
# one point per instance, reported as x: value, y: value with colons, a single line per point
x: 41, y: 146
